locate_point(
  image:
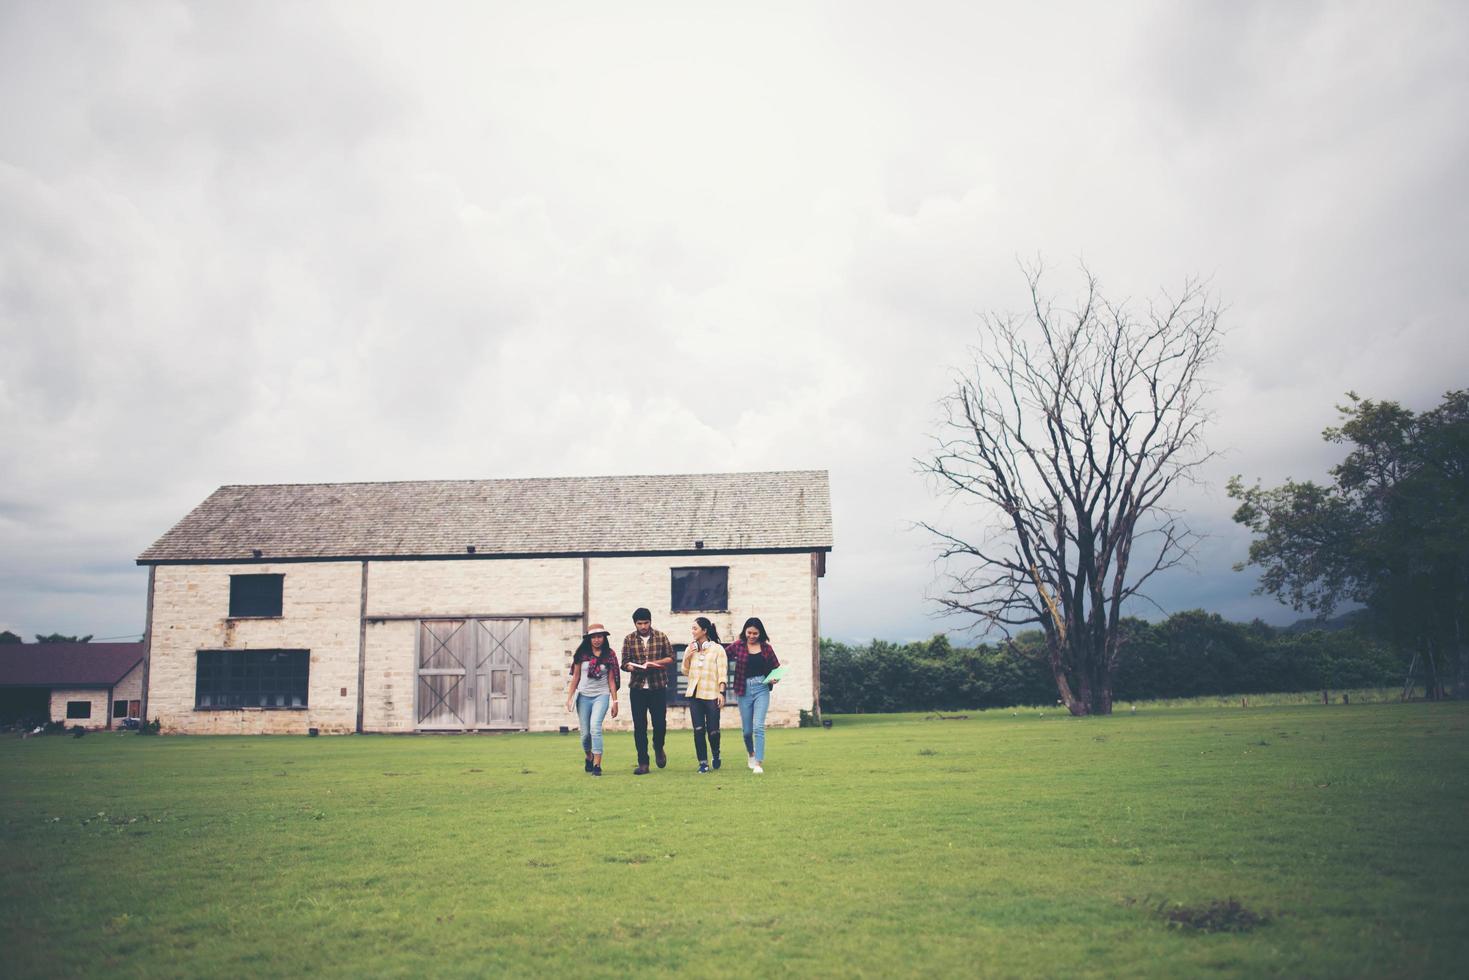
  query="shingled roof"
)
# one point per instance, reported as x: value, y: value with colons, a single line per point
x: 67, y: 664
x: 554, y: 516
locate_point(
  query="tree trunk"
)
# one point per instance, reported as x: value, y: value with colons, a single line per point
x: 1100, y: 688
x: 1434, y: 685
x: 1092, y: 691
x: 1058, y: 671
x: 1461, y: 680
x: 1087, y: 688
x: 1083, y: 692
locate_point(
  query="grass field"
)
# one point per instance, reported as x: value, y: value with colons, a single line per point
x: 993, y: 845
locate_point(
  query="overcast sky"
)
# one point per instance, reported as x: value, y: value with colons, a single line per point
x: 261, y: 243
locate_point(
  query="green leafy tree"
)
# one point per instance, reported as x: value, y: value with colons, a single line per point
x: 59, y: 638
x: 1390, y: 532
x: 9, y: 637
x: 1190, y: 654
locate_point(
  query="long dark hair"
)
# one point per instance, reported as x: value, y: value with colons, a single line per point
x: 755, y: 622
x: 709, y: 628
x: 586, y: 648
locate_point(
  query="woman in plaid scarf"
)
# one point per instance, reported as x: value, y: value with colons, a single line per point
x: 593, y: 688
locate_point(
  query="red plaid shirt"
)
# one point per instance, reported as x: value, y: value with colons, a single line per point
x: 655, y: 647
x: 739, y: 655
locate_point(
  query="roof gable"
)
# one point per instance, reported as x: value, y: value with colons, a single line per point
x: 440, y: 518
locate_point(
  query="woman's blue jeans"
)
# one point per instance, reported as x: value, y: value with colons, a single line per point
x: 753, y: 705
x: 590, y: 710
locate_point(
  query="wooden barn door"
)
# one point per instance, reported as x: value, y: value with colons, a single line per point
x: 501, y: 655
x: 472, y: 674
x: 445, y: 653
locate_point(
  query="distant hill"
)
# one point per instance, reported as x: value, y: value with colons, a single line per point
x: 1345, y: 621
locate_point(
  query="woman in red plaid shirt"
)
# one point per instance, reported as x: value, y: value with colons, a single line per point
x: 753, y: 659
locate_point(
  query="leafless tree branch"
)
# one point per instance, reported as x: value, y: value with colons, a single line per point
x: 1073, y: 428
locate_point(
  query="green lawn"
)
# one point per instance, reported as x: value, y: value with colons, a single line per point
x: 995, y: 845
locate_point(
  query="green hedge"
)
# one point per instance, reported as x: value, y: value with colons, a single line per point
x: 1187, y: 655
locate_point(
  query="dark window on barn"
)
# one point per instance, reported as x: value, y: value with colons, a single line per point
x: 119, y: 709
x: 256, y: 595
x: 700, y: 589
x: 78, y: 709
x: 229, y: 679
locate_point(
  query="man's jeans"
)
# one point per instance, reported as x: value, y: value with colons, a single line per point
x: 648, y: 702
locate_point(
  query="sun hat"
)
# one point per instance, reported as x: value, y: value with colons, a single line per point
x: 596, y: 628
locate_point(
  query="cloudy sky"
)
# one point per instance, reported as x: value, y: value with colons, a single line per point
x: 258, y: 243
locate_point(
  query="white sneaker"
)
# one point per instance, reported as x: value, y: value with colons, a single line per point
x: 755, y: 768
x: 750, y: 762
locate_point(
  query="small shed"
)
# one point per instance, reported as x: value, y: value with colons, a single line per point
x: 456, y: 605
x: 94, y: 685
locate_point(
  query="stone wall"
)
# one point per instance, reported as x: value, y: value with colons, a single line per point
x: 130, y: 688
x: 485, y: 587
x: 95, y: 696
x: 553, y: 641
x: 322, y: 613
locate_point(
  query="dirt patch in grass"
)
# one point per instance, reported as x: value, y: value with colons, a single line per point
x: 1219, y: 915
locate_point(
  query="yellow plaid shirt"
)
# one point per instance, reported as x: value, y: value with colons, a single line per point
x: 707, y: 669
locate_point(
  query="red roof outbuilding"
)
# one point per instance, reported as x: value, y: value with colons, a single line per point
x: 67, y: 664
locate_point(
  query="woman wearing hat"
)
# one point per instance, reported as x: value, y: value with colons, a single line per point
x: 593, y: 688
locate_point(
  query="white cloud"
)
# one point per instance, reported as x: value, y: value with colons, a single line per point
x: 344, y: 241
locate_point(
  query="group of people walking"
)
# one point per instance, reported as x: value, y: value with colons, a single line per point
x: 646, y: 656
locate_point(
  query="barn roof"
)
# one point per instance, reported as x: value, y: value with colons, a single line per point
x: 67, y: 664
x: 552, y: 516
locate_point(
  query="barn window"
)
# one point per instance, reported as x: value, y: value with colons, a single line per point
x: 256, y: 595
x: 229, y: 679
x: 119, y: 709
x: 78, y: 709
x: 700, y: 589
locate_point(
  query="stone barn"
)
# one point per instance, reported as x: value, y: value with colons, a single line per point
x: 455, y: 605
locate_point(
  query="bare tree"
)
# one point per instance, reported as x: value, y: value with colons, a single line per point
x: 1069, y: 429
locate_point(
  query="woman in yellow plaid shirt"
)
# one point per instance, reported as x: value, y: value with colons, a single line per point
x: 707, y: 668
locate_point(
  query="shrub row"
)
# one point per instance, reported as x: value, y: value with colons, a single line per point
x: 1187, y: 655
